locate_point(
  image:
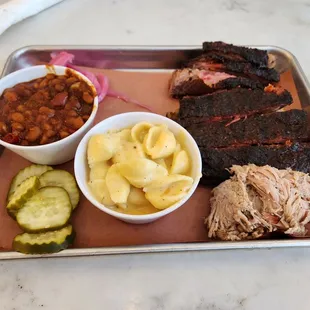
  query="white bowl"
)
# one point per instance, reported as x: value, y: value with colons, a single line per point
x: 127, y: 120
x: 57, y: 152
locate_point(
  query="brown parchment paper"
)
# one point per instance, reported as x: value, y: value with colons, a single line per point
x: 94, y: 228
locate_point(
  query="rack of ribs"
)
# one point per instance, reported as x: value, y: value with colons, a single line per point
x: 230, y: 103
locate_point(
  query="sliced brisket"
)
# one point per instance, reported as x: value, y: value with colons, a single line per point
x: 238, y: 53
x: 217, y: 161
x: 195, y: 82
x: 273, y: 128
x: 233, y: 103
x: 215, y: 62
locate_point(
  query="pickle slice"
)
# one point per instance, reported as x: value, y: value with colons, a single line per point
x: 48, y: 209
x: 22, y: 175
x: 22, y: 193
x: 43, y: 243
x: 64, y: 179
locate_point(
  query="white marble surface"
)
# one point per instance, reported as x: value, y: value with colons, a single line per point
x: 242, y: 280
x: 260, y: 279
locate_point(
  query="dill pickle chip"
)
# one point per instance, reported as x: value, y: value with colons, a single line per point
x: 44, y: 243
x: 64, y: 179
x: 48, y: 209
x: 22, y: 193
x: 22, y: 175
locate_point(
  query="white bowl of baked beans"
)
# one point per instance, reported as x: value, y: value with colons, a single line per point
x: 45, y: 111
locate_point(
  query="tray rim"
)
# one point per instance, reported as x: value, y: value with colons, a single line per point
x: 165, y: 248
x: 169, y: 247
x: 25, y: 48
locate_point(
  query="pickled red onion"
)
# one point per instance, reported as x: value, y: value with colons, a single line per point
x: 61, y: 59
x: 104, y: 84
x: 114, y: 94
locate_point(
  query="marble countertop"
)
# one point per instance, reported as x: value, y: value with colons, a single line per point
x: 217, y: 280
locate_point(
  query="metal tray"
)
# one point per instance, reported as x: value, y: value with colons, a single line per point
x: 161, y: 58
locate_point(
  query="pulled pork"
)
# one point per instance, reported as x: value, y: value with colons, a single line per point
x: 258, y: 200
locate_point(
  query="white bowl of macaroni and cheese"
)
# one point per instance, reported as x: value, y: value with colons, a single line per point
x: 137, y: 166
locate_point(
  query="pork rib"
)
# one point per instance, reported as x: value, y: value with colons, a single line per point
x: 273, y: 128
x: 238, y: 53
x: 215, y: 62
x: 216, y: 161
x: 229, y: 104
x: 196, y: 82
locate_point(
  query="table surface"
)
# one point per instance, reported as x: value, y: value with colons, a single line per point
x: 217, y: 280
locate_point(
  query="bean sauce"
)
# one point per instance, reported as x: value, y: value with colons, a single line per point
x: 44, y: 110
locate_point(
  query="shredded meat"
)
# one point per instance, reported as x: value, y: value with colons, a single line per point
x: 257, y: 200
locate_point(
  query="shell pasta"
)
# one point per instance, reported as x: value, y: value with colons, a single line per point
x: 138, y: 170
x: 159, y: 142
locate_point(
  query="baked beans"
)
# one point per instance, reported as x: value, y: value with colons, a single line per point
x: 44, y: 110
